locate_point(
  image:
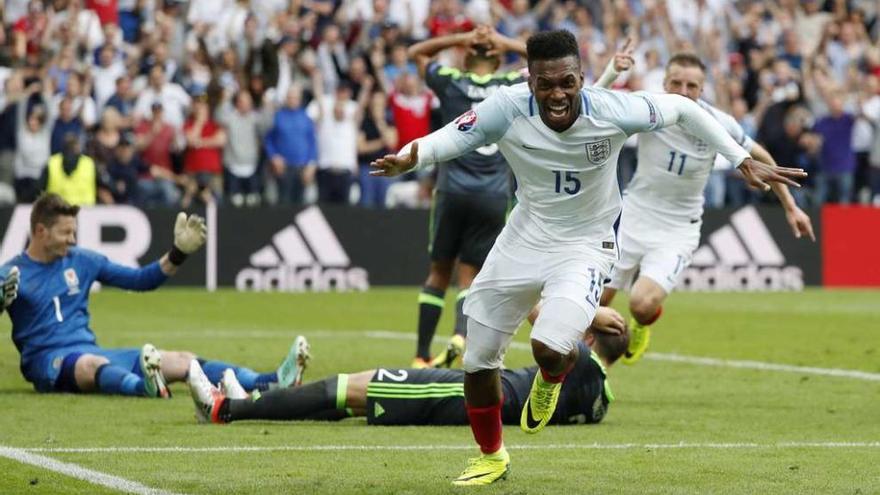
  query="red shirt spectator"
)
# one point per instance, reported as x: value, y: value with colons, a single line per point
x: 411, y: 107
x: 204, y: 141
x: 107, y: 10
x: 31, y: 27
x: 155, y: 140
x: 448, y: 19
x: 203, y: 158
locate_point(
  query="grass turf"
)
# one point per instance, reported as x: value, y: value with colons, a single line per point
x: 658, y: 402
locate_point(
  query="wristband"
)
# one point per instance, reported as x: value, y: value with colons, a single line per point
x: 176, y: 256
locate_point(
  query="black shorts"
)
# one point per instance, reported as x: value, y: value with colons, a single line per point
x: 465, y: 226
x: 416, y: 397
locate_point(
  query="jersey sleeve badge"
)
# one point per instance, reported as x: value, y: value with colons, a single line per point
x: 466, y: 121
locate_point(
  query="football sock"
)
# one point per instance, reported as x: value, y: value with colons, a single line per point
x: 430, y: 308
x: 317, y: 400
x: 654, y: 318
x: 460, y: 318
x: 249, y: 379
x: 486, y: 426
x: 116, y: 380
x: 548, y: 378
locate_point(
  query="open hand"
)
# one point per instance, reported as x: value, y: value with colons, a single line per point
x: 758, y: 174
x: 608, y: 320
x: 800, y: 223
x: 393, y: 165
x: 190, y: 232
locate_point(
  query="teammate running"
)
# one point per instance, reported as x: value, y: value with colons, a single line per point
x: 562, y: 141
x: 663, y: 205
x: 390, y: 397
x: 50, y: 317
x: 472, y: 192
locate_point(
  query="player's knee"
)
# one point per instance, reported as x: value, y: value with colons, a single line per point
x: 485, y: 348
x: 176, y: 360
x: 559, y: 327
x: 88, y: 364
x: 645, y: 307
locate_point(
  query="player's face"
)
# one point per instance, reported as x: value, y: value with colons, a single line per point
x: 556, y: 85
x: 58, y: 238
x: 684, y: 81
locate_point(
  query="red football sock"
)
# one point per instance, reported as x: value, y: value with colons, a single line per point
x: 486, y: 425
x: 655, y: 317
x: 555, y: 379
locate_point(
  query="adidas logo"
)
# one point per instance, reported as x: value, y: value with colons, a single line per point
x: 305, y: 255
x: 741, y: 256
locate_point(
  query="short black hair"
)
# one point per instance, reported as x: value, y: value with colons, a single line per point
x: 552, y: 45
x: 685, y: 59
x: 610, y: 346
x: 48, y: 207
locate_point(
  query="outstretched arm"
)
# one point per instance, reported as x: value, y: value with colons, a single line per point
x: 675, y: 109
x: 189, y: 235
x: 799, y: 221
x: 483, y: 125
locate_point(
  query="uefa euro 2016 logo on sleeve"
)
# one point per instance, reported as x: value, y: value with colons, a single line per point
x: 72, y: 282
x: 466, y: 121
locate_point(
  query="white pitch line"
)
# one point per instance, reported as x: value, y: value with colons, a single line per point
x: 26, y: 456
x: 522, y: 346
x: 758, y: 365
x: 371, y: 448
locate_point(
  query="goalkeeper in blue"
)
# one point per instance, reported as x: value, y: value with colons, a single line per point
x: 45, y: 290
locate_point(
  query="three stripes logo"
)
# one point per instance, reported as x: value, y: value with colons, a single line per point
x: 741, y: 255
x: 305, y: 255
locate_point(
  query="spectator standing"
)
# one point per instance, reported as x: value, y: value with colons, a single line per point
x: 291, y: 147
x: 338, y: 120
x: 155, y: 141
x: 203, y: 160
x: 242, y: 152
x: 377, y: 138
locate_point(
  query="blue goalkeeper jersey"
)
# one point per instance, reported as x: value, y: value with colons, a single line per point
x: 51, y: 310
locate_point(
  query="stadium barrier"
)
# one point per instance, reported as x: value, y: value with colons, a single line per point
x: 343, y: 248
x: 851, y: 246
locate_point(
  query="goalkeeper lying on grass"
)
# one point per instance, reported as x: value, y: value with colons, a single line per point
x: 45, y: 290
x: 418, y: 396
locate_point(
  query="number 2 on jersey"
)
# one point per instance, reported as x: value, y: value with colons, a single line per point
x: 572, y: 183
x: 681, y: 159
x: 385, y: 375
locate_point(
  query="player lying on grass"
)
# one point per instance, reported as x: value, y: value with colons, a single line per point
x: 46, y: 293
x: 419, y: 396
x: 663, y: 205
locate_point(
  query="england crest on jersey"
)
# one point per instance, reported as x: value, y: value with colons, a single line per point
x: 598, y: 151
x: 72, y: 281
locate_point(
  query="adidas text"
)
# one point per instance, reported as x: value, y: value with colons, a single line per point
x: 302, y: 278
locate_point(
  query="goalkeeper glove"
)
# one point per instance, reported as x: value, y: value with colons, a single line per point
x: 190, y: 233
x: 9, y: 288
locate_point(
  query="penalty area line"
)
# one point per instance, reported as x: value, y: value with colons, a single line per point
x: 373, y: 448
x: 27, y: 456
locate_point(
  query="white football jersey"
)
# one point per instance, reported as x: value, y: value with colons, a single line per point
x: 567, y: 188
x: 673, y: 168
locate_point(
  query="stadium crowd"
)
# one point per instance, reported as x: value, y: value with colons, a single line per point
x: 287, y: 101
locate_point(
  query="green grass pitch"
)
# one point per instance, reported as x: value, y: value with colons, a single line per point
x: 676, y: 427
